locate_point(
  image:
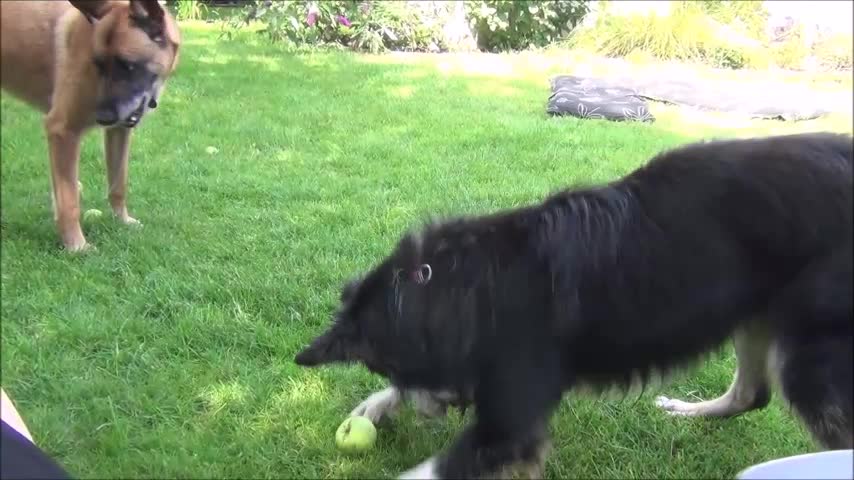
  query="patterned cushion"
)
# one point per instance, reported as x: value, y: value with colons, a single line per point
x: 589, y: 98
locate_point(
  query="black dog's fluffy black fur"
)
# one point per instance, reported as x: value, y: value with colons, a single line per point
x: 597, y: 285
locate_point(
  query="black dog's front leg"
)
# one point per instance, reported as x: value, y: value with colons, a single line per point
x: 513, y: 406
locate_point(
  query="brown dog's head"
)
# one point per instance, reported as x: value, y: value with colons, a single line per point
x: 134, y: 50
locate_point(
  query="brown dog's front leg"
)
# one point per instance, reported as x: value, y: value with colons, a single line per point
x: 117, y: 151
x: 64, y: 145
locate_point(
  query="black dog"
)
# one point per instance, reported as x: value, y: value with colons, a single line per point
x: 742, y: 239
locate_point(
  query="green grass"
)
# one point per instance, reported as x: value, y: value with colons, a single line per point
x: 168, y: 352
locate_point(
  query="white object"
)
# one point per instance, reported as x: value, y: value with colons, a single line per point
x: 10, y: 415
x: 834, y: 464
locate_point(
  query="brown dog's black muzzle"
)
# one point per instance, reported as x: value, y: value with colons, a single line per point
x: 136, y: 116
x: 106, y: 115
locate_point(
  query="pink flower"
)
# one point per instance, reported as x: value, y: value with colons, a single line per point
x: 311, y: 18
x: 344, y: 21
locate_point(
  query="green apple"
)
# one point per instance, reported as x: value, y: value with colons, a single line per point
x: 92, y: 214
x: 356, y: 435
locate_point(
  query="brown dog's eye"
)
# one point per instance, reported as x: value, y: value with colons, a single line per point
x: 124, y: 64
x: 100, y: 64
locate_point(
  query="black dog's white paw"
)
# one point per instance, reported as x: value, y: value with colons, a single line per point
x: 425, y: 470
x: 384, y: 403
x: 677, y: 407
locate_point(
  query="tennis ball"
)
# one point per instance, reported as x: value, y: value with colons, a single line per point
x: 356, y: 435
x: 92, y: 214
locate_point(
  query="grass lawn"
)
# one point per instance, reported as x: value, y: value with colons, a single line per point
x: 168, y: 352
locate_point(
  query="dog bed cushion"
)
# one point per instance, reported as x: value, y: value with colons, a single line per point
x: 592, y: 98
x: 624, y: 97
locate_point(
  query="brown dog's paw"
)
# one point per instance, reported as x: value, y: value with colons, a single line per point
x: 132, y: 222
x: 129, y: 221
x: 80, y: 247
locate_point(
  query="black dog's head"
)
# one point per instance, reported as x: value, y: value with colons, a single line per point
x: 374, y: 324
x: 413, y: 318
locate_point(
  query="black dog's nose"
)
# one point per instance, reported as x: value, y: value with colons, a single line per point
x: 106, y: 116
x: 152, y: 103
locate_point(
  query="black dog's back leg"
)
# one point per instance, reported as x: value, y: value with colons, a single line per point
x: 514, y: 402
x: 750, y: 388
x: 816, y: 381
x: 814, y: 351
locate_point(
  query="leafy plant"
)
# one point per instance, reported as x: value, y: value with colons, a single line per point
x: 298, y: 22
x: 680, y: 35
x: 749, y: 16
x: 371, y: 26
x: 834, y: 52
x: 189, y: 9
x: 414, y: 26
x: 375, y: 26
x: 688, y: 33
x: 791, y: 51
x: 518, y: 24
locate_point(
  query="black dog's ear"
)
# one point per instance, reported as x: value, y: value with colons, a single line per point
x: 423, y: 274
x: 93, y: 10
x: 350, y: 289
x: 332, y: 346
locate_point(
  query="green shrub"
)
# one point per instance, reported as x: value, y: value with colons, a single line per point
x: 297, y: 22
x: 371, y: 26
x: 791, y: 51
x: 412, y: 25
x: 835, y: 51
x: 692, y: 31
x: 736, y: 57
x: 639, y: 56
x: 502, y: 25
x: 680, y: 35
x: 749, y: 16
x: 189, y: 9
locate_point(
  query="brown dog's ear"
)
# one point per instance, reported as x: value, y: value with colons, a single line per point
x: 92, y: 9
x: 152, y: 18
x: 148, y: 10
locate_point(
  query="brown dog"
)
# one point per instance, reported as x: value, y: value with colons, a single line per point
x: 86, y: 63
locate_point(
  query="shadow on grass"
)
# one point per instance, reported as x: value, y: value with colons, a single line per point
x: 321, y: 107
x: 281, y: 79
x: 282, y: 429
x: 443, y: 94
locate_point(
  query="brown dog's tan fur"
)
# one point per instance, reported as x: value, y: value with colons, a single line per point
x: 79, y: 62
